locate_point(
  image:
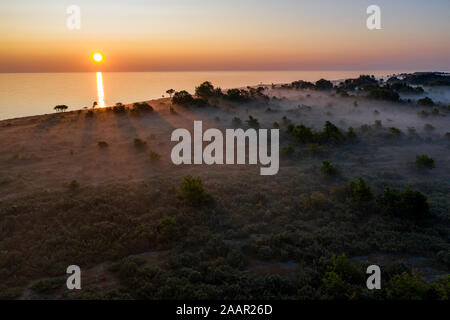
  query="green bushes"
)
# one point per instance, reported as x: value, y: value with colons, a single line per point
x: 413, y: 287
x: 424, y: 162
x: 361, y: 193
x: 48, y: 285
x: 192, y: 192
x: 341, y: 278
x: 408, y: 204
x: 253, y: 122
x: 304, y: 134
x: 328, y: 168
x: 236, y: 122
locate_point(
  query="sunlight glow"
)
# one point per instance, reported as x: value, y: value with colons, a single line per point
x: 101, y: 101
x: 98, y: 57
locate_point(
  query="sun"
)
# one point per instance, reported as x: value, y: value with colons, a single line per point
x: 97, y: 56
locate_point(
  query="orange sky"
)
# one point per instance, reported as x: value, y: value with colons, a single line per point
x: 140, y: 35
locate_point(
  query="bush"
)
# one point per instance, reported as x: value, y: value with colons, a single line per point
x: 74, y: 185
x: 61, y: 107
x: 287, y: 151
x: 252, y: 122
x: 139, y: 144
x: 323, y: 84
x: 154, y: 156
x: 328, y: 168
x: 102, y: 144
x: 192, y: 192
x: 205, y: 90
x: 183, y: 98
x: 425, y: 102
x: 424, y: 162
x: 142, y: 106
x: 237, y: 95
x: 361, y: 193
x: 408, y: 204
x: 383, y: 94
x: 48, y: 285
x: 119, y: 108
x: 236, y: 122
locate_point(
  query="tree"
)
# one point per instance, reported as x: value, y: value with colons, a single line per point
x: 425, y: 102
x: 424, y: 162
x: 94, y: 104
x: 170, y: 92
x: 192, y: 192
x: 205, y: 90
x: 361, y: 193
x: 61, y: 107
x: 323, y: 84
x: 408, y: 204
x: 183, y: 98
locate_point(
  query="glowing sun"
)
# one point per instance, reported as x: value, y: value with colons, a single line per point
x: 97, y: 56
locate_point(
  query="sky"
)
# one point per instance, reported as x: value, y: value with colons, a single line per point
x: 200, y: 35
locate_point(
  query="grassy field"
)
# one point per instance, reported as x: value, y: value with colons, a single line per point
x: 97, y: 188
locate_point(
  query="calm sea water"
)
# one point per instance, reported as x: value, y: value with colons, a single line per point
x: 25, y: 94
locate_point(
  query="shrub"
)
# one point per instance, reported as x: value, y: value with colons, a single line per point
x: 425, y: 102
x: 276, y: 125
x: 192, y: 192
x: 287, y: 151
x: 140, y: 144
x: 61, y: 107
x: 328, y: 168
x: 301, y: 132
x: 383, y: 94
x: 323, y: 84
x: 361, y: 193
x: 119, y: 108
x: 410, y: 287
x: 236, y: 122
x: 424, y: 162
x: 74, y: 185
x: 408, y: 204
x: 205, y: 90
x: 154, y: 156
x: 183, y: 98
x: 237, y: 95
x: 47, y: 285
x: 142, y: 106
x: 102, y: 144
x: 252, y: 122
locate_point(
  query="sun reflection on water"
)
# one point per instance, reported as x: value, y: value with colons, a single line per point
x: 100, y: 93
